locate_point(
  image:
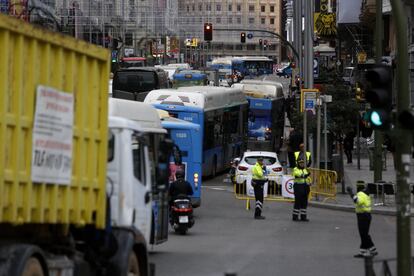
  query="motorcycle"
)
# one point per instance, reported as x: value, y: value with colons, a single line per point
x: 182, y: 215
x: 233, y: 169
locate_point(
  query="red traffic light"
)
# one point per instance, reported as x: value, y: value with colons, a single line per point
x: 208, y: 32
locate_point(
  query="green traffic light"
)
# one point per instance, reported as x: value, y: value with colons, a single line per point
x: 375, y: 118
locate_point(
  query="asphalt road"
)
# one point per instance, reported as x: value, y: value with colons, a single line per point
x: 226, y: 238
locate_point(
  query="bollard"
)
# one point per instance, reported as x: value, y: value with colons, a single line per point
x: 369, y: 266
x: 152, y: 269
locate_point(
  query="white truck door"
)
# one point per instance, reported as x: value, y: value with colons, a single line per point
x: 141, y: 191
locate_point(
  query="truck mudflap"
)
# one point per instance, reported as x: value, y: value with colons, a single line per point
x: 131, y: 257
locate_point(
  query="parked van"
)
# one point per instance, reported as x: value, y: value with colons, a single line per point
x: 134, y: 83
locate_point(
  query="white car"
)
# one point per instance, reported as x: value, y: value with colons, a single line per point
x: 274, y: 170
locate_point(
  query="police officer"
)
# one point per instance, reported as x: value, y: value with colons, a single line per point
x: 363, y: 211
x: 301, y: 191
x: 258, y: 181
x: 302, y: 155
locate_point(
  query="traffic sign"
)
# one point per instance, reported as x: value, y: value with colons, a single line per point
x: 249, y: 35
x: 308, y: 100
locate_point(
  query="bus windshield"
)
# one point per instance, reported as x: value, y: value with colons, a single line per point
x: 134, y: 81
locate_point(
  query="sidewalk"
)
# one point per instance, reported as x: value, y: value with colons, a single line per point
x: 352, y: 175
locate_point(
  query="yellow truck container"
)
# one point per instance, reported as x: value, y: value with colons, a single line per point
x: 31, y: 57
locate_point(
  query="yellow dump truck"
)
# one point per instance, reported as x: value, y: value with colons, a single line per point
x: 74, y: 184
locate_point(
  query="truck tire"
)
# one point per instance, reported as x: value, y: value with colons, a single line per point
x: 133, y: 265
x: 33, y: 268
x: 23, y: 260
x: 126, y: 261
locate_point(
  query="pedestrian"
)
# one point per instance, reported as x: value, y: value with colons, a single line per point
x: 363, y: 211
x: 349, y: 146
x: 301, y: 189
x: 301, y: 155
x: 258, y: 181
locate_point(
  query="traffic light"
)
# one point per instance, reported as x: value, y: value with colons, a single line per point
x: 406, y: 119
x: 114, y: 56
x: 208, y: 32
x: 243, y: 37
x: 260, y: 42
x: 379, y: 95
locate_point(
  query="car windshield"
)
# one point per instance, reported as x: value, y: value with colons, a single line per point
x: 267, y: 160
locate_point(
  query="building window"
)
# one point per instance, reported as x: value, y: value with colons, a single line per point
x: 218, y: 7
x: 208, y: 7
x: 238, y: 20
x: 230, y: 20
x: 200, y: 7
x: 263, y: 20
x: 251, y: 20
x: 251, y: 8
x: 193, y: 7
x: 238, y: 47
x: 218, y: 20
x: 200, y: 20
x: 272, y: 21
x: 272, y: 8
x: 238, y: 7
x: 229, y: 47
x: 263, y: 8
x: 188, y: 8
x: 230, y: 7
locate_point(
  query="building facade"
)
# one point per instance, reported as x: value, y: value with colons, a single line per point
x: 232, y: 14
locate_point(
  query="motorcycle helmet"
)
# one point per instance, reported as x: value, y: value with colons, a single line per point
x: 180, y: 174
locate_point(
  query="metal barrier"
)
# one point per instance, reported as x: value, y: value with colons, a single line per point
x: 273, y: 192
x: 382, y: 267
x: 323, y: 184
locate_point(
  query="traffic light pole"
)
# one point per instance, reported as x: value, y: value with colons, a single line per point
x: 287, y: 43
x: 403, y: 144
x: 379, y: 135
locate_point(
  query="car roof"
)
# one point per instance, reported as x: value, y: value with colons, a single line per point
x: 259, y: 153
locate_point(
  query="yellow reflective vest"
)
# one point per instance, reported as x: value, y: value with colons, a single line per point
x: 257, y: 172
x: 308, y: 156
x: 300, y: 175
x: 362, y: 203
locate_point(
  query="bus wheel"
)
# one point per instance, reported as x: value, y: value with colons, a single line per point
x: 32, y: 268
x: 133, y: 265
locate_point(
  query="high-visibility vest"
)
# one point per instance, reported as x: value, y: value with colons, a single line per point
x: 363, y: 203
x: 257, y: 172
x: 308, y: 155
x: 299, y: 175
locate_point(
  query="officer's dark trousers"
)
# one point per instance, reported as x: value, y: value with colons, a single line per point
x: 258, y: 194
x: 364, y: 221
x: 301, y: 192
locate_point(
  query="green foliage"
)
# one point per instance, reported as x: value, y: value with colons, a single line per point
x: 342, y: 111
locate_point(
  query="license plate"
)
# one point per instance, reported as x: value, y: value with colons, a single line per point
x: 183, y: 219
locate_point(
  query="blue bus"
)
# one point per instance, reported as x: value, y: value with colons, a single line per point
x: 266, y: 114
x: 189, y: 78
x: 222, y: 116
x: 187, y: 137
x: 248, y: 67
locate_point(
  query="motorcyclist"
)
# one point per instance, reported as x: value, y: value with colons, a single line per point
x: 180, y: 188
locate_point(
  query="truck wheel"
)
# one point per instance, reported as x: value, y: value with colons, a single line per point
x: 133, y: 265
x: 33, y: 268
